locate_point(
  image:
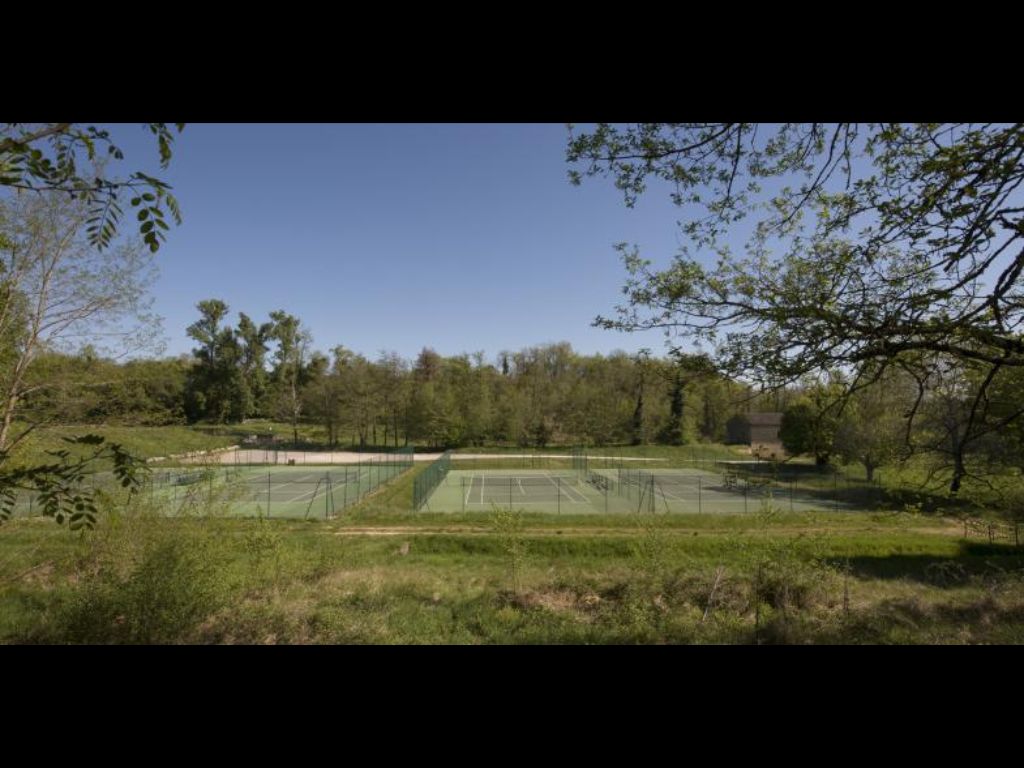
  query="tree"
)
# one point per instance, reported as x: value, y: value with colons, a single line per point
x: 871, y: 428
x: 41, y: 163
x: 392, y: 378
x: 642, y: 361
x: 217, y: 389
x: 871, y: 244
x: 325, y: 395
x: 968, y: 411
x: 684, y: 371
x: 55, y: 288
x: 810, y: 424
x: 253, y: 341
x: 290, y: 365
x: 47, y: 158
x: 803, y: 431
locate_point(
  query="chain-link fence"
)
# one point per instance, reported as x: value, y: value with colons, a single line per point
x: 288, y: 491
x: 428, y: 480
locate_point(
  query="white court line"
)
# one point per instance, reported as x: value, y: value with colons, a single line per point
x: 562, y: 489
x: 583, y: 499
x: 669, y: 495
x: 300, y: 496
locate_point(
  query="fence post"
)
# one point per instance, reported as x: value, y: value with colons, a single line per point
x: 510, y: 493
x: 558, y: 485
x: 268, y: 495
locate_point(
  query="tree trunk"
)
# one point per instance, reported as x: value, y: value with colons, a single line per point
x: 638, y: 417
x: 959, y: 471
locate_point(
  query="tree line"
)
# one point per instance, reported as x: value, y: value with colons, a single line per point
x: 546, y: 394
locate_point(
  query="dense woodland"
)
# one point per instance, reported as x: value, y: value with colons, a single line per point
x: 537, y: 396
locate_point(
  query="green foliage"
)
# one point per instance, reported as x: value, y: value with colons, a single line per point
x: 804, y: 430
x: 874, y: 248
x: 146, y: 587
x: 508, y: 525
x: 61, y: 485
x: 263, y: 544
x: 48, y: 157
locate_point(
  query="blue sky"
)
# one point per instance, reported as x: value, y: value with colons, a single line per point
x: 396, y: 237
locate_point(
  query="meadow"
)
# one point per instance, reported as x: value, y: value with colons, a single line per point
x: 383, y: 573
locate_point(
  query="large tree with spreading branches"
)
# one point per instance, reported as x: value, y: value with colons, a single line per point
x: 815, y: 247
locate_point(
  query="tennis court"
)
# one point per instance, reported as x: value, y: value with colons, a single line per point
x: 663, y: 491
x: 530, y: 490
x: 291, y: 492
x: 693, y: 490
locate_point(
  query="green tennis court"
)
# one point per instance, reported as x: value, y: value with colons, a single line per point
x: 665, y: 491
x: 291, y: 492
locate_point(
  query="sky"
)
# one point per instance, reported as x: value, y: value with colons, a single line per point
x: 398, y: 237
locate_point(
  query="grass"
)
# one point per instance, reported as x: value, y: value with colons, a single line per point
x: 386, y: 575
x: 383, y: 573
x: 147, y: 442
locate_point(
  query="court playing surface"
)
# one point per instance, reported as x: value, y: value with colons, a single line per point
x: 306, y: 492
x: 608, y: 490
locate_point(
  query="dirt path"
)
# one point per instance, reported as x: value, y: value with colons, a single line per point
x: 624, y: 531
